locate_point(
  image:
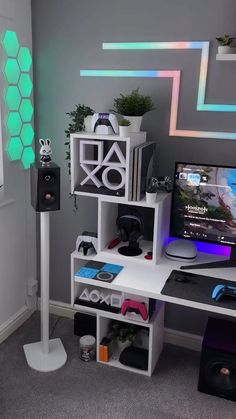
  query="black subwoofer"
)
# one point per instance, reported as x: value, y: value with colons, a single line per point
x: 45, y: 187
x: 217, y: 374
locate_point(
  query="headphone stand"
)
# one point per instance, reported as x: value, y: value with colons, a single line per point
x: 46, y: 355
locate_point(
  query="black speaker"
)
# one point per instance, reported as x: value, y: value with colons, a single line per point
x: 217, y: 374
x: 85, y: 324
x: 45, y: 187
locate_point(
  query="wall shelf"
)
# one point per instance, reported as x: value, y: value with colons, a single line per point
x: 226, y: 57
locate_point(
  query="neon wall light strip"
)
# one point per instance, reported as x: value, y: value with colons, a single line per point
x: 204, y: 46
x: 175, y: 75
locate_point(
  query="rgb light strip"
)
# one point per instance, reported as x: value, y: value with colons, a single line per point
x: 175, y: 75
x: 18, y: 99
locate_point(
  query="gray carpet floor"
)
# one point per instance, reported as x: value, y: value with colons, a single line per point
x: 91, y: 390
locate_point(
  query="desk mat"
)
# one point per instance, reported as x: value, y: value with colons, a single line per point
x: 197, y: 288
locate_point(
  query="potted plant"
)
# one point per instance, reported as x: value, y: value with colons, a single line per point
x: 151, y: 191
x: 122, y: 334
x: 133, y: 106
x: 78, y: 120
x: 225, y: 44
x: 124, y: 127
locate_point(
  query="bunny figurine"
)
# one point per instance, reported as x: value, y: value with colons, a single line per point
x: 45, y: 151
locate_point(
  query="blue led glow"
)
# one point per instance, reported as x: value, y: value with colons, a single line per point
x: 119, y: 73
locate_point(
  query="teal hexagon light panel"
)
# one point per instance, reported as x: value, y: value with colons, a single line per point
x: 24, y: 59
x: 13, y: 98
x: 18, y: 99
x: 12, y: 71
x: 10, y: 43
x: 15, y: 148
x: 25, y: 85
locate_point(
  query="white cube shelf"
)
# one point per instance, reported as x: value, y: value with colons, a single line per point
x: 155, y: 339
x: 157, y: 215
x: 93, y: 163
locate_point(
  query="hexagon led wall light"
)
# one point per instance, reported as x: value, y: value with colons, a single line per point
x: 13, y: 98
x: 18, y: 121
x: 15, y: 148
x: 25, y: 85
x: 10, y: 43
x: 26, y: 110
x: 24, y: 59
x: 28, y: 157
x: 27, y: 134
x: 12, y: 71
x: 14, y: 123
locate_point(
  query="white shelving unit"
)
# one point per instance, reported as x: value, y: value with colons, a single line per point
x: 108, y: 209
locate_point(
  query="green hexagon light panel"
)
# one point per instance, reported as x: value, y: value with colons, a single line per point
x: 13, y: 98
x: 10, y: 43
x: 18, y: 99
x: 15, y: 148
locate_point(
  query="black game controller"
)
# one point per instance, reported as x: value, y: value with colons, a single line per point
x: 161, y: 183
x: 87, y: 241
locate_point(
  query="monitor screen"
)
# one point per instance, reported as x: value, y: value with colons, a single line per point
x: 204, y: 203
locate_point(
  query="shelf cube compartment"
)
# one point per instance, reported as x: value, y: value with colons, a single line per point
x: 101, y: 163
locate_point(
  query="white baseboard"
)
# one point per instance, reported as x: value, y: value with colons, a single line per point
x: 185, y: 340
x: 14, y: 322
x: 175, y: 337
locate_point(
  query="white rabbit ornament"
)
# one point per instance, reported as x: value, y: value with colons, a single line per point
x: 45, y: 151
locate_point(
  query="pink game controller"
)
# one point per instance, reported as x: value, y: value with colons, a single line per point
x: 136, y: 307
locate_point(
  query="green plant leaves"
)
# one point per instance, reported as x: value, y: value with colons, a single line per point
x: 133, y: 104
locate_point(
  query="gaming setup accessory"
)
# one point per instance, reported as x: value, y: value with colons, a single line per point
x: 105, y: 123
x: 135, y: 307
x: 87, y: 241
x: 130, y: 228
x: 223, y: 290
x: 202, y: 209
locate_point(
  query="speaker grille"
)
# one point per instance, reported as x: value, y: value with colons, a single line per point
x: 220, y: 375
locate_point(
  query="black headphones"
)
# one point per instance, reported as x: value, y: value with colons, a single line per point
x: 128, y: 223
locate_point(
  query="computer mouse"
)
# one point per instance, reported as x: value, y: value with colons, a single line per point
x: 182, y: 279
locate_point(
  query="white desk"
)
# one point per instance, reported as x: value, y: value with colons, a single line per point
x: 148, y: 281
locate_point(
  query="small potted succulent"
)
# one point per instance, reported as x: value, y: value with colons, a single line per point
x: 225, y: 44
x: 124, y: 127
x: 133, y: 106
x: 151, y: 191
x: 122, y: 335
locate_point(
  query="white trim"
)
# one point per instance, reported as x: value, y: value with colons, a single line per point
x: 5, y: 199
x: 14, y: 322
x: 185, y: 340
x: 175, y: 337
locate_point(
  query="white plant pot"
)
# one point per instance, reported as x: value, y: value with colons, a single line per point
x: 124, y: 131
x: 151, y: 197
x: 118, y: 347
x: 225, y: 50
x: 135, y: 122
x: 88, y: 123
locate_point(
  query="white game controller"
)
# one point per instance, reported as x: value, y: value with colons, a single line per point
x: 105, y: 123
x: 86, y: 242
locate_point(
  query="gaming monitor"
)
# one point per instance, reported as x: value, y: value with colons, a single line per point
x: 204, y: 207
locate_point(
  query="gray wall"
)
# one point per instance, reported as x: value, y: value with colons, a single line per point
x: 68, y: 36
x: 17, y: 218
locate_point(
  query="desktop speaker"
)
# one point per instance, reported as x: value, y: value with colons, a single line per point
x: 217, y: 374
x: 45, y: 187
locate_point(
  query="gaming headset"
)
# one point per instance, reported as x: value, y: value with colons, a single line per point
x: 129, y: 223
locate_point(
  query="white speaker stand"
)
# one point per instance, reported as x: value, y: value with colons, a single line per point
x: 46, y: 355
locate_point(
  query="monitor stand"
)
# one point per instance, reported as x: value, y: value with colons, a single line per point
x: 229, y: 263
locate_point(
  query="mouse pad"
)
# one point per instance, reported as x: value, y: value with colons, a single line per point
x: 197, y: 288
x: 99, y: 270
